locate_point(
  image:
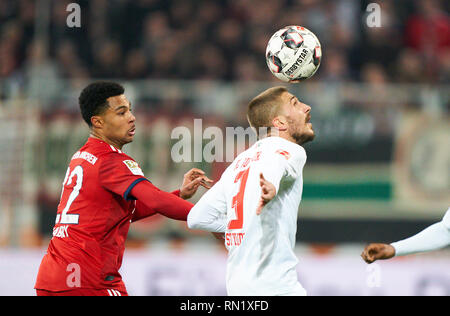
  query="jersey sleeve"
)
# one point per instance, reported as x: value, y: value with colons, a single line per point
x: 295, y: 160
x: 431, y: 238
x: 151, y: 200
x: 283, y: 162
x: 119, y: 174
x: 209, y: 213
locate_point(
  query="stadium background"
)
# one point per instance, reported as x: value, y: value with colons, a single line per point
x: 378, y: 170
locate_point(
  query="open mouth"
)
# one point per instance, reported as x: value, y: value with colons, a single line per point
x: 308, y: 119
x: 132, y: 131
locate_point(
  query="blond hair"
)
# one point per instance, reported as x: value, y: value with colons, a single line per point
x: 264, y: 107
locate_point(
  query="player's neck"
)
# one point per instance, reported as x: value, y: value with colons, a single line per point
x: 281, y: 134
x: 95, y: 134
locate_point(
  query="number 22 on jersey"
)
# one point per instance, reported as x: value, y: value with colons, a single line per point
x: 238, y: 200
x: 65, y: 218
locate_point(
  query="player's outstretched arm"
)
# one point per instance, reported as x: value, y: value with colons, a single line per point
x: 151, y: 200
x: 433, y: 237
x: 377, y: 251
x: 209, y: 213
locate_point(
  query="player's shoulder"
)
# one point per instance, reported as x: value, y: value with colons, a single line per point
x: 115, y: 155
x: 92, y: 151
x: 119, y: 161
x: 108, y: 154
x: 104, y: 150
x: 281, y: 147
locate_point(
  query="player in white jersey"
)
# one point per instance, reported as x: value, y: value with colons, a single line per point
x: 255, y: 202
x: 433, y: 237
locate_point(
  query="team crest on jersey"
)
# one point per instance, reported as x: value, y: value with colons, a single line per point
x: 134, y: 167
x: 284, y: 153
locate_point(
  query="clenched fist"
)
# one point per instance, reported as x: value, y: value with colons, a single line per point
x: 374, y: 252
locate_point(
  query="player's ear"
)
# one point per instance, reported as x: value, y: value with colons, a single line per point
x: 97, y: 121
x: 280, y: 123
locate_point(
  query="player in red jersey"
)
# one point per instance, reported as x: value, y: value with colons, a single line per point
x: 104, y: 190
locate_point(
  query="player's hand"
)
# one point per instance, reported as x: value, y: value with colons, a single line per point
x: 192, y: 180
x: 268, y: 192
x: 374, y: 252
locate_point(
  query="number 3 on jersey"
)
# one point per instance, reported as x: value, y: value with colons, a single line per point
x: 65, y: 218
x: 238, y: 200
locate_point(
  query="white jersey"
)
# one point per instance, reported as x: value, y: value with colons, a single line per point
x: 261, y: 259
x: 446, y: 219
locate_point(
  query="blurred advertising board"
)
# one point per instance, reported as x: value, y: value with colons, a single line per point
x: 202, y: 273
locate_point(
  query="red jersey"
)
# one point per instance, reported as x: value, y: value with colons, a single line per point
x: 92, y: 221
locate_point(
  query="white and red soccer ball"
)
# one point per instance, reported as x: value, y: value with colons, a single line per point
x: 293, y: 53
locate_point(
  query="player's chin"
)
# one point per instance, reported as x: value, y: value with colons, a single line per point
x: 309, y: 137
x: 128, y: 139
x: 304, y: 137
x: 308, y: 130
x: 309, y: 134
x: 311, y: 131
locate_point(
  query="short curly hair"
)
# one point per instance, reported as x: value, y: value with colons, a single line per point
x: 93, y: 98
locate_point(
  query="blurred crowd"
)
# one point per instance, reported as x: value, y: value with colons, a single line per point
x: 220, y: 40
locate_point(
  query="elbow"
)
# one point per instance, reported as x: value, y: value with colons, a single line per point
x: 191, y: 221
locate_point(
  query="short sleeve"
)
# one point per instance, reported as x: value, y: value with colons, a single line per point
x: 283, y: 162
x: 292, y: 159
x: 446, y: 219
x: 119, y: 174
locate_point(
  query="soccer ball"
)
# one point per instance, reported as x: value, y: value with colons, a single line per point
x: 293, y: 54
